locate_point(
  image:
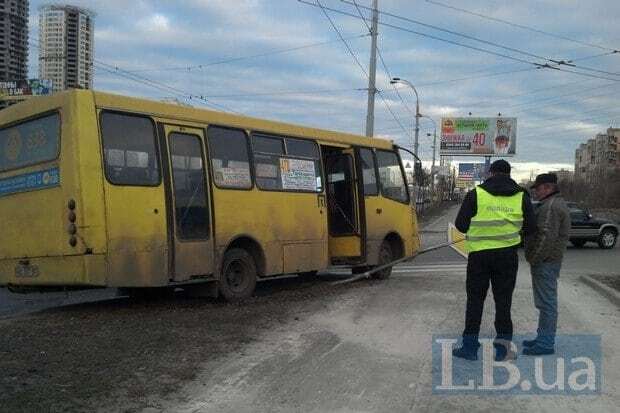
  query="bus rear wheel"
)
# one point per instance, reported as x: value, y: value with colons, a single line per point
x: 238, y: 279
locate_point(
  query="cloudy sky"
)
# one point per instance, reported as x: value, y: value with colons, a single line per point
x: 283, y: 60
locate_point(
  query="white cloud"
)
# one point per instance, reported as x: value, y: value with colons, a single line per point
x: 155, y: 23
x: 151, y: 34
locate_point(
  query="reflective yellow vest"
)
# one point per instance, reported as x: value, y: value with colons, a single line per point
x: 497, y: 223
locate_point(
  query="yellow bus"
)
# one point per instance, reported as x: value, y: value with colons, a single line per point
x: 101, y: 190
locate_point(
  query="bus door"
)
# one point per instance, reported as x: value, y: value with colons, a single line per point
x: 134, y: 201
x: 346, y: 238
x: 189, y: 209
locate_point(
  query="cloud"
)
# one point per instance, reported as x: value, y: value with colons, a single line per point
x: 155, y: 23
x: 450, y: 79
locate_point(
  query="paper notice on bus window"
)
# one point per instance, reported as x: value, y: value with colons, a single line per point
x: 235, y: 177
x: 298, y: 175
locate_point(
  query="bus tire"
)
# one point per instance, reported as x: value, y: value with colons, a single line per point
x: 238, y: 278
x: 385, y: 256
x: 146, y: 293
x: 359, y: 270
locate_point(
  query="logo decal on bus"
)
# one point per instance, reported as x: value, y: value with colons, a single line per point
x: 30, y: 182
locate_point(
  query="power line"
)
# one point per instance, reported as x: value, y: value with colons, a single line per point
x: 536, y: 101
x: 439, y: 82
x: 342, y: 39
x: 602, y: 109
x: 160, y: 86
x: 287, y: 92
x: 236, y: 59
x: 594, y: 56
x: 487, y: 42
x: 538, y: 107
x: 387, y: 71
x: 484, y: 103
x: 479, y: 49
x: 114, y: 69
x: 607, y: 116
x: 323, y: 9
x: 521, y: 26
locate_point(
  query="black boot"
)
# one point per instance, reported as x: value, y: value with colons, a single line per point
x: 537, y: 350
x: 469, y: 349
x: 529, y: 343
x: 503, y: 350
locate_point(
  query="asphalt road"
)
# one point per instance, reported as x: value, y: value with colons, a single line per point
x: 360, y: 347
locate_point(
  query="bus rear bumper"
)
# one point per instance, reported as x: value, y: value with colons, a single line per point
x: 81, y: 271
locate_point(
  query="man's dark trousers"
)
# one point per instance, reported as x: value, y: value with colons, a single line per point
x: 499, y: 268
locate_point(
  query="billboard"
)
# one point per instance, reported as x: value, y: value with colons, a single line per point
x: 471, y: 171
x: 478, y: 136
x: 26, y: 87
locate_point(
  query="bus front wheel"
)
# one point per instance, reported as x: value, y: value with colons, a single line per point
x: 238, y: 278
x: 385, y: 256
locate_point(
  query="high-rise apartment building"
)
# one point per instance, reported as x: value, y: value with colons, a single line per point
x: 13, y: 40
x: 599, y: 156
x: 67, y: 35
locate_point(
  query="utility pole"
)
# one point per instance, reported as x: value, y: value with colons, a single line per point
x: 433, y: 164
x: 372, y: 90
x: 417, y: 124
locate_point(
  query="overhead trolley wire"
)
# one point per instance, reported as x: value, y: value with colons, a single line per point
x: 114, y: 69
x: 524, y: 27
x: 479, y: 49
x: 385, y: 67
x: 236, y: 59
x: 352, y: 53
x: 487, y: 42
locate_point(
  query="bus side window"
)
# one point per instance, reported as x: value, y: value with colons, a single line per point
x: 393, y: 183
x: 369, y: 172
x: 229, y: 158
x: 130, y: 156
x: 306, y: 149
x: 286, y: 164
x: 267, y: 153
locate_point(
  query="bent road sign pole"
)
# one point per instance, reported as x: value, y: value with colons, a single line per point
x: 457, y: 240
x: 393, y: 263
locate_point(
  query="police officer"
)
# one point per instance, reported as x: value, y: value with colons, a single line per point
x: 493, y: 216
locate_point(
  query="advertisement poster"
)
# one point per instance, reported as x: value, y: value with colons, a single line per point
x: 471, y: 171
x: 478, y: 136
x: 298, y: 174
x: 34, y: 87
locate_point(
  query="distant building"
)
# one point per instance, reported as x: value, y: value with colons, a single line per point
x: 13, y: 40
x: 564, y: 174
x: 66, y: 36
x: 598, y: 157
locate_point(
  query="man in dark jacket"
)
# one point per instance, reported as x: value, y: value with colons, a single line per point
x: 493, y: 216
x: 544, y: 251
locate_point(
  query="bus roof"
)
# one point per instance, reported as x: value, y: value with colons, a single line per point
x: 104, y: 100
x: 163, y: 109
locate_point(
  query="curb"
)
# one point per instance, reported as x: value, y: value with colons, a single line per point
x: 611, y: 294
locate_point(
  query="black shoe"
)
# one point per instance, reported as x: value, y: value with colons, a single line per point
x: 529, y: 343
x: 537, y: 350
x: 503, y: 354
x: 466, y: 353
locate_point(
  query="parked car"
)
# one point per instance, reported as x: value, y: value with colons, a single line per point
x: 586, y: 228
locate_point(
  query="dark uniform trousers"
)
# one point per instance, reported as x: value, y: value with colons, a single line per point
x: 499, y: 269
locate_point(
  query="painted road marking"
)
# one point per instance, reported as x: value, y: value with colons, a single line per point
x: 448, y: 267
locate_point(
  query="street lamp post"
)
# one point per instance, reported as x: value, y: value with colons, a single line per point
x: 417, y: 110
x: 434, y: 150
